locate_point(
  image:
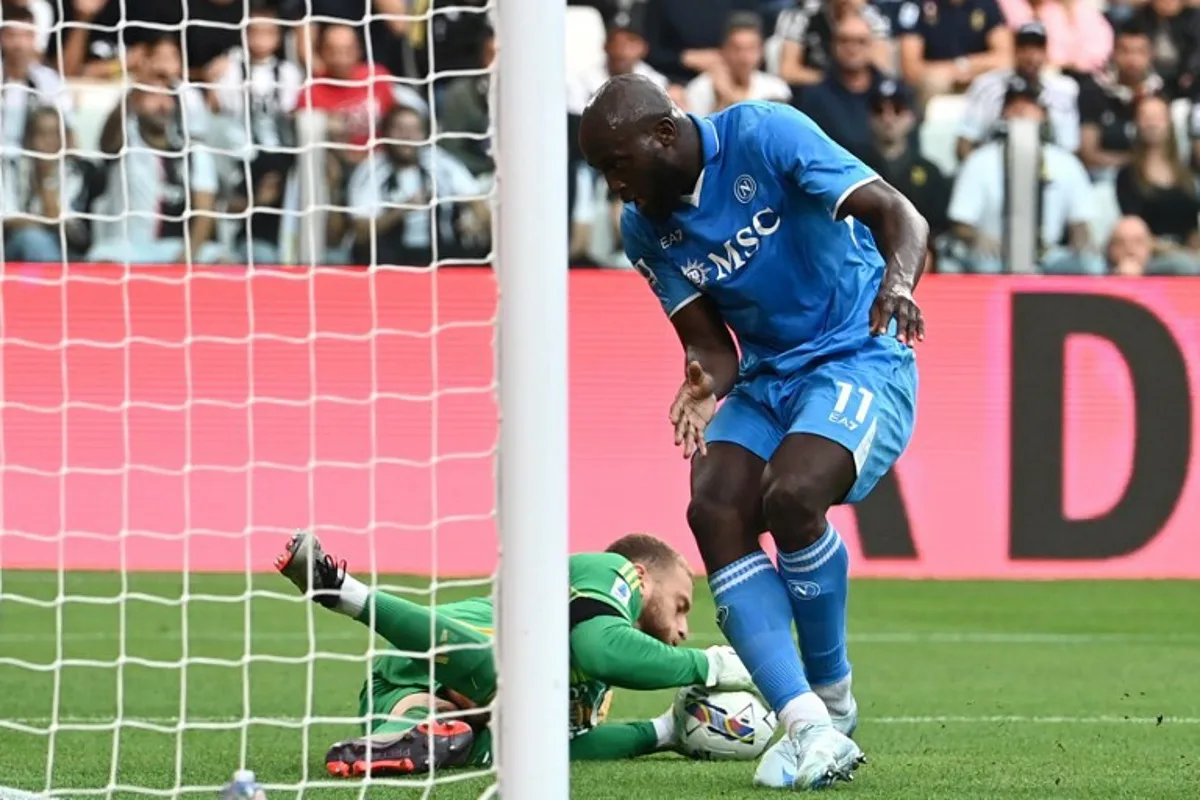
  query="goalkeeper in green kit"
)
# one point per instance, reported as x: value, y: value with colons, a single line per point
x: 628, y: 609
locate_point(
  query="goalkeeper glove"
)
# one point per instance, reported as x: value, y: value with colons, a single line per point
x: 726, y: 671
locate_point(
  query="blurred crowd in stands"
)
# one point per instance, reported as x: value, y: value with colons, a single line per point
x: 172, y: 130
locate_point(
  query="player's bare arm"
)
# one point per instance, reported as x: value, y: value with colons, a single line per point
x: 710, y: 370
x: 903, y: 238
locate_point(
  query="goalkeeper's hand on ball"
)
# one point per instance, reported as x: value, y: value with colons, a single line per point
x: 726, y: 671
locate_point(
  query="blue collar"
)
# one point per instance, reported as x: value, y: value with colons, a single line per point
x: 710, y: 146
x: 708, y: 137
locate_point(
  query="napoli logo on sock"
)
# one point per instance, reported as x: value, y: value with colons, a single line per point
x: 722, y: 615
x: 803, y: 590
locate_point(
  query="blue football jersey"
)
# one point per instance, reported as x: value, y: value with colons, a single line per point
x: 759, y: 235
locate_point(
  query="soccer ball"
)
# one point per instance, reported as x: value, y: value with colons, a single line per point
x: 722, y: 726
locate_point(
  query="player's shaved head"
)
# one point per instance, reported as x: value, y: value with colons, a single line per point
x: 628, y: 102
x: 644, y: 145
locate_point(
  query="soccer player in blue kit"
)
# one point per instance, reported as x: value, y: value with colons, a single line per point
x: 753, y: 220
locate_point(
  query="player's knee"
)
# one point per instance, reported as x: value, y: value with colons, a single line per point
x: 719, y: 529
x: 795, y: 507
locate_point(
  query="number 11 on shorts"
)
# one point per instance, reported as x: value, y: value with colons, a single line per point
x: 846, y: 392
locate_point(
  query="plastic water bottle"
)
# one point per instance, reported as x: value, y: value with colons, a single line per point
x: 243, y: 787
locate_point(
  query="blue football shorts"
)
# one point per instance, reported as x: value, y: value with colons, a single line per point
x: 865, y: 401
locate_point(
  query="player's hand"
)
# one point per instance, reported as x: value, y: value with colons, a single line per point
x: 694, y: 406
x: 896, y: 302
x: 726, y: 671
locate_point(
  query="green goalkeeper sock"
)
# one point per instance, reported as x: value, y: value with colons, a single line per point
x: 470, y: 671
x: 615, y: 741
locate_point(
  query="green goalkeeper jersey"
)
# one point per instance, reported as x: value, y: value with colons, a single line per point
x: 606, y: 648
x: 613, y: 580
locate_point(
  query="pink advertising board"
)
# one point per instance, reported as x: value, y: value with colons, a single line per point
x: 165, y: 418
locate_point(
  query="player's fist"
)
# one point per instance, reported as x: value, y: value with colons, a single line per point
x: 695, y: 403
x: 726, y: 671
x: 895, y: 301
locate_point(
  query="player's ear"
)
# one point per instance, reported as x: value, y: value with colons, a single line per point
x: 665, y: 131
x: 641, y: 571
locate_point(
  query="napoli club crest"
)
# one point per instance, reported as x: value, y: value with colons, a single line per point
x: 744, y: 189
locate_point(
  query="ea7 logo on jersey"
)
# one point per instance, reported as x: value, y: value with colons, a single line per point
x: 674, y: 237
x: 736, y: 251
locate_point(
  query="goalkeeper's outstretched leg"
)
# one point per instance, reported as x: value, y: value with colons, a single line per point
x: 400, y: 700
x: 461, y: 633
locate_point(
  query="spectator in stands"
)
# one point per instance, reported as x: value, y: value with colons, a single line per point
x: 736, y: 76
x: 256, y: 90
x: 380, y: 28
x: 156, y: 188
x: 806, y: 31
x: 1174, y: 30
x: 1158, y: 186
x: 41, y: 191
x: 1080, y: 39
x: 946, y: 44
x: 591, y: 203
x: 465, y: 111
x: 392, y: 195
x: 624, y: 52
x: 896, y: 159
x: 978, y: 201
x: 985, y: 97
x: 355, y: 95
x: 685, y: 36
x: 43, y: 19
x: 1106, y: 102
x: 840, y: 103
x: 1130, y: 247
x: 256, y: 95
x: 92, y: 45
x: 160, y: 62
x: 214, y: 27
x: 451, y: 39
x: 27, y: 83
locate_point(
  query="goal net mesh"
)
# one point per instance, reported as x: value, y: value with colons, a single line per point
x: 234, y: 304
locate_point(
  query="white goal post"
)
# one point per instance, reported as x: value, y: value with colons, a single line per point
x: 169, y: 416
x: 532, y: 246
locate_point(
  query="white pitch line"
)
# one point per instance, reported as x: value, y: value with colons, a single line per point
x: 1015, y: 719
x: 878, y: 637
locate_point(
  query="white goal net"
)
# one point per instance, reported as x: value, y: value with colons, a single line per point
x: 247, y: 288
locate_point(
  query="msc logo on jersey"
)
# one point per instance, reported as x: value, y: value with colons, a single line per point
x: 744, y: 189
x: 738, y: 249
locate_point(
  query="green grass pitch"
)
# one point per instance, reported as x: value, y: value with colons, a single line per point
x: 967, y: 690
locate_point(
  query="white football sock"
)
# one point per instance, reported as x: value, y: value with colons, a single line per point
x: 352, y: 598
x: 837, y: 697
x: 802, y: 710
x: 664, y: 729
